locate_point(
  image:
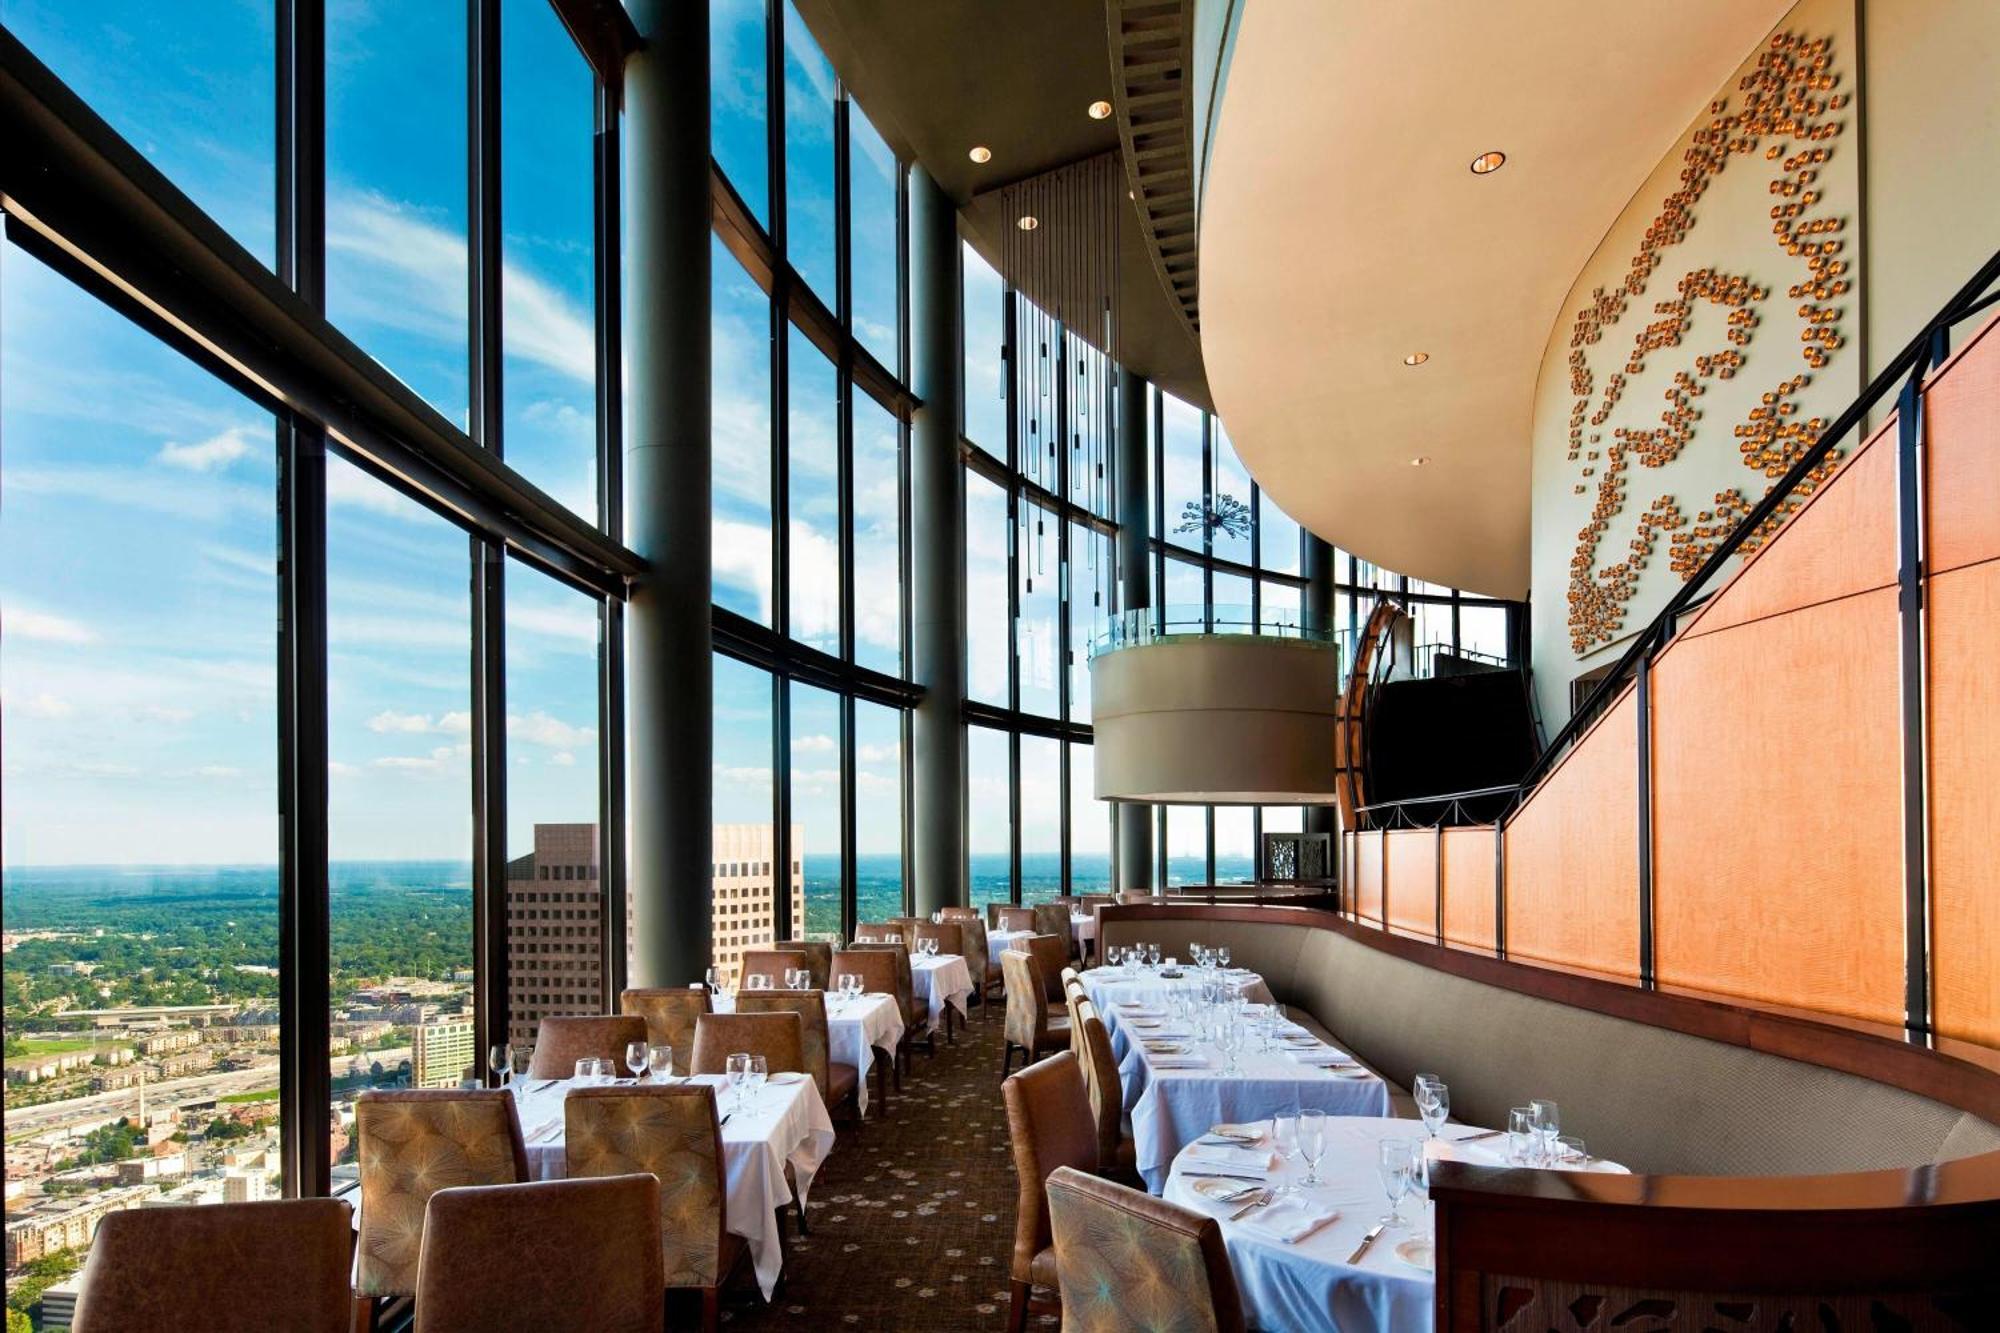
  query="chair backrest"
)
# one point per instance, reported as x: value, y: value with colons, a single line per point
x: 552, y: 1254
x: 1100, y: 1075
x: 411, y: 1144
x: 914, y: 1018
x: 670, y: 1013
x: 1015, y: 918
x: 880, y: 931
x: 1134, y: 896
x: 978, y: 961
x: 1071, y: 977
x: 773, y: 963
x: 950, y: 937
x: 170, y: 1269
x: 1053, y: 919
x: 1027, y: 1011
x: 563, y: 1040
x: 1090, y: 902
x: 1049, y: 1126
x: 960, y: 913
x: 1165, y: 1263
x: 872, y: 963
x: 810, y: 1006
x: 1051, y: 953
x: 819, y: 958
x: 779, y: 1038
x: 673, y: 1134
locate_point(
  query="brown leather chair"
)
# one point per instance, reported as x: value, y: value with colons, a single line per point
x: 779, y: 1038
x: 552, y: 1254
x: 1030, y: 1029
x: 819, y: 958
x: 1129, y: 896
x: 411, y: 1144
x: 1053, y: 919
x: 1015, y: 918
x: 916, y: 1017
x: 875, y: 964
x: 1052, y: 957
x: 561, y: 1041
x: 960, y: 913
x: 838, y: 1083
x: 1117, y: 1156
x: 773, y: 963
x: 978, y: 957
x: 1127, y: 1261
x: 670, y: 1013
x: 878, y: 932
x: 1049, y: 1126
x: 673, y: 1134
x: 232, y: 1267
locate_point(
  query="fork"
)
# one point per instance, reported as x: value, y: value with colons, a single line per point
x: 1263, y: 1199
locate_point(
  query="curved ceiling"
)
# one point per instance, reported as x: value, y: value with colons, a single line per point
x: 1342, y: 229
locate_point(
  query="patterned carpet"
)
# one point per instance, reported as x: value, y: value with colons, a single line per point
x: 912, y: 1217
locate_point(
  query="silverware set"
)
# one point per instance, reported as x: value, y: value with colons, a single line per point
x: 1373, y: 1235
x: 1263, y: 1200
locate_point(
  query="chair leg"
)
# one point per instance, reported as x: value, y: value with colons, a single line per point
x: 1017, y: 1306
x: 711, y: 1309
x: 799, y: 1216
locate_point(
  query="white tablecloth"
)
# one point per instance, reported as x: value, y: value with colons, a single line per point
x: 1084, y: 925
x: 941, y: 980
x: 787, y: 1123
x: 853, y: 1032
x: 1112, y: 986
x: 1310, y: 1284
x: 998, y: 940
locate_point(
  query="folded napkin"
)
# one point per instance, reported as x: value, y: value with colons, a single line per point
x: 1136, y: 1010
x: 1231, y: 1157
x: 1288, y: 1220
x: 1325, y: 1057
x: 1177, y: 1061
x: 1250, y: 1133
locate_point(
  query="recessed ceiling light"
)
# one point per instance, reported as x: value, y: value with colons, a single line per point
x: 1488, y: 163
x: 1028, y: 222
x: 1100, y: 110
x: 1420, y: 460
x: 981, y: 154
x: 1416, y: 358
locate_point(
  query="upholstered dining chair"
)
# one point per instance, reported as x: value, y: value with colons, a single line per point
x: 1130, y: 896
x: 1049, y: 1126
x: 916, y: 1017
x: 773, y: 963
x: 670, y: 1013
x: 876, y: 966
x: 551, y: 1254
x: 562, y: 1040
x: 674, y: 1134
x: 950, y: 939
x: 779, y: 1038
x: 838, y: 1083
x: 819, y: 958
x: 411, y: 1144
x: 168, y: 1269
x: 1127, y: 1262
x: 960, y: 913
x: 878, y: 932
x: 978, y: 957
x: 1052, y: 957
x: 1117, y: 1155
x: 1030, y: 1029
x: 1016, y: 918
x: 1053, y: 919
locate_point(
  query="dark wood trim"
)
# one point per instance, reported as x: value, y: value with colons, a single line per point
x: 604, y: 33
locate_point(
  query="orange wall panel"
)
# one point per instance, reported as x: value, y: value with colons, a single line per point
x: 1468, y: 887
x: 1777, y: 826
x: 1962, y: 447
x: 1572, y: 893
x: 1365, y: 897
x: 1413, y: 870
x: 1965, y: 773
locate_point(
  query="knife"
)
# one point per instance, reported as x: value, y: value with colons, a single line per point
x: 1366, y: 1241
x: 1220, y: 1175
x: 1474, y: 1138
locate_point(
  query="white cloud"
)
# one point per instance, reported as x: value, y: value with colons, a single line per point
x: 440, y: 760
x: 815, y: 744
x: 165, y: 713
x: 540, y: 728
x: 44, y: 626
x: 563, y: 759
x: 43, y: 705
x: 215, y: 452
x: 218, y: 771
x: 391, y: 723
x: 878, y: 754
x: 337, y: 769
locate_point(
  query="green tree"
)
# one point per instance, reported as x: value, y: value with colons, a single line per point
x: 18, y: 1322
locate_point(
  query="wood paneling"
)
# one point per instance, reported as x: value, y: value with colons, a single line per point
x: 1366, y: 896
x: 1413, y: 867
x: 1965, y: 777
x: 1777, y: 810
x: 1962, y: 441
x: 1468, y: 887
x: 1573, y: 857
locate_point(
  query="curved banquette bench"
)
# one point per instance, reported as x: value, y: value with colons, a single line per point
x: 1757, y: 1139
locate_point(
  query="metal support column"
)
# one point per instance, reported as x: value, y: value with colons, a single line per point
x: 1134, y: 831
x: 1316, y: 559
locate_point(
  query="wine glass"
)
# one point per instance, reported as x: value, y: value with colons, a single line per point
x: 636, y: 1055
x: 660, y: 1059
x: 1397, y: 1165
x: 1285, y: 1136
x: 756, y: 1076
x: 1312, y: 1143
x: 713, y: 980
x: 735, y: 1070
x: 1433, y: 1102
x: 1548, y: 1127
x: 1153, y: 956
x: 1222, y: 956
x: 500, y: 1060
x: 586, y: 1070
x: 1114, y: 955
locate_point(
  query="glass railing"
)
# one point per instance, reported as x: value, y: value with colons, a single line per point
x: 1157, y: 624
x: 1458, y: 662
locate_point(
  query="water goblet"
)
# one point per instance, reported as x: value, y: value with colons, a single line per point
x: 1433, y: 1102
x: 757, y: 1075
x: 586, y: 1070
x: 713, y: 980
x: 660, y: 1060
x: 500, y: 1060
x: 636, y: 1055
x: 1285, y: 1139
x: 735, y: 1070
x: 1312, y: 1144
x: 1548, y: 1127
x: 1222, y: 956
x: 1153, y: 956
x: 1396, y: 1163
x: 1571, y: 1154
x: 1521, y: 1136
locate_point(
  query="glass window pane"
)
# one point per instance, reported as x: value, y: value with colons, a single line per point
x: 191, y: 87
x: 1280, y: 611
x: 816, y: 804
x: 989, y: 825
x: 1089, y: 826
x: 985, y: 590
x: 741, y: 402
x: 396, y: 193
x: 1187, y: 844
x: 871, y: 210
x: 985, y: 349
x: 1433, y: 628
x: 1229, y: 530
x: 744, y: 883
x: 1090, y: 378
x: 878, y: 522
x: 1041, y: 820
x: 1090, y: 599
x: 1185, y: 605
x: 813, y: 478
x: 1277, y: 537
x: 1036, y: 632
x: 140, y: 759
x: 555, y: 898
x: 1183, y: 503
x: 809, y: 92
x: 399, y: 807
x: 878, y: 811
x: 548, y: 118
x: 1482, y: 630
x: 1231, y: 613
x: 1284, y: 819
x: 738, y: 97
x: 1235, y: 845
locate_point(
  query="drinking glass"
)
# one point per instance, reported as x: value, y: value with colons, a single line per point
x: 735, y: 1069
x: 636, y: 1055
x: 1397, y: 1165
x: 756, y: 1076
x: 1521, y: 1136
x: 1285, y: 1138
x: 1228, y: 1040
x: 1222, y: 956
x: 660, y: 1059
x: 1548, y: 1127
x: 586, y: 1070
x: 1153, y: 955
x: 1433, y: 1102
x: 1571, y: 1155
x: 713, y: 980
x: 500, y: 1059
x: 1312, y: 1144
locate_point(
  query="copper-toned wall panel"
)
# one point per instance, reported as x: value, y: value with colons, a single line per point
x: 1468, y: 887
x: 1962, y: 419
x: 1965, y: 774
x: 1413, y: 881
x: 1573, y: 859
x: 1367, y: 895
x: 1777, y: 869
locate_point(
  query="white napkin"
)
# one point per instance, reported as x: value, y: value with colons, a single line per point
x: 1289, y: 1220
x: 1322, y: 1056
x: 1141, y: 1011
x: 1230, y: 1156
x: 1177, y: 1061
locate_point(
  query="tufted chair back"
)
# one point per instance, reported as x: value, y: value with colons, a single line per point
x: 671, y: 1133
x: 810, y: 1006
x: 669, y: 1013
x: 175, y: 1268
x: 561, y: 1041
x: 779, y: 1038
x: 819, y: 958
x: 1129, y: 1261
x: 1049, y: 1126
x: 411, y: 1144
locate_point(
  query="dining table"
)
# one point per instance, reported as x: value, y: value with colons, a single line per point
x: 999, y: 941
x: 784, y: 1124
x: 856, y: 1029
x: 1299, y: 1260
x: 942, y: 981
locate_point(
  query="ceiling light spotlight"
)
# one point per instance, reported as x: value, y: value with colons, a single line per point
x: 1488, y: 163
x: 1420, y: 460
x: 1416, y: 358
x: 981, y: 154
x: 1028, y: 222
x: 1100, y: 110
